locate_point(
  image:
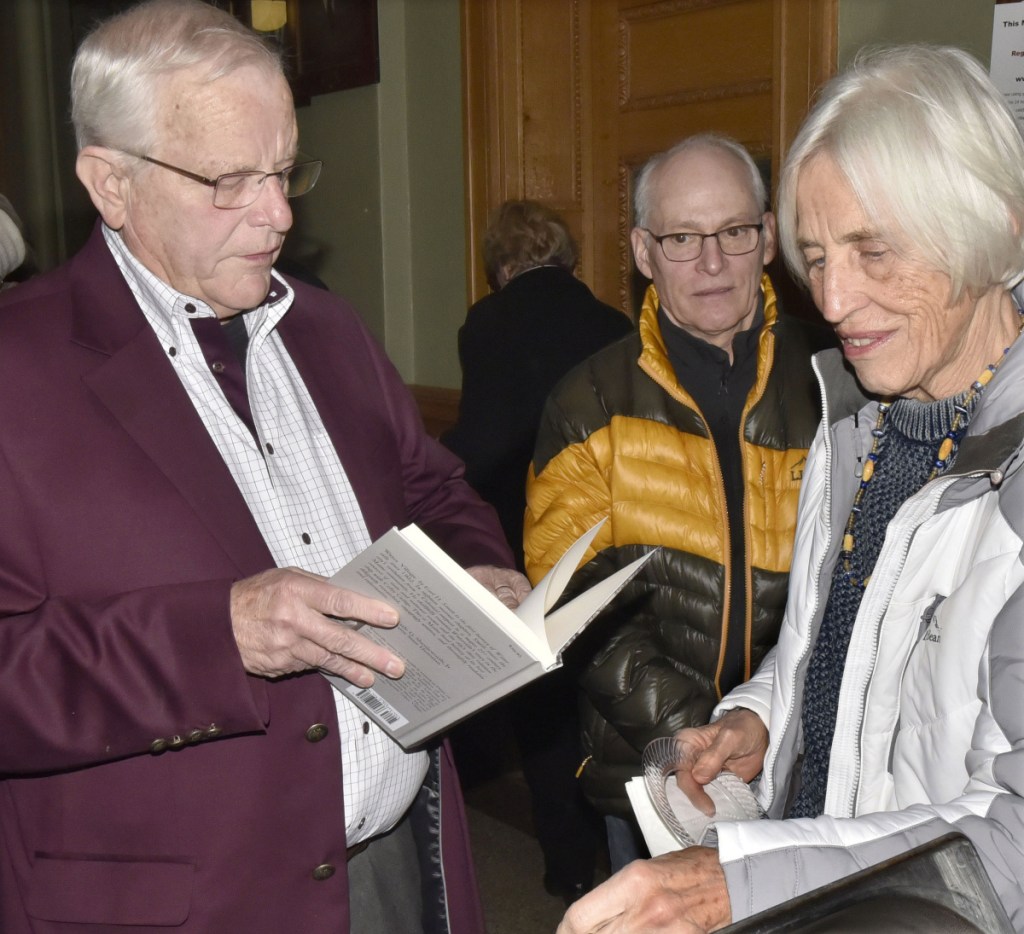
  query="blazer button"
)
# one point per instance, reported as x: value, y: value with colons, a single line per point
x: 158, y: 746
x: 176, y: 742
x: 196, y: 736
x: 323, y: 871
x: 316, y: 733
x: 213, y: 731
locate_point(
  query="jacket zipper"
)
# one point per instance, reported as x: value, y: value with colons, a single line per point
x: 761, y: 377
x: 941, y: 485
x: 684, y: 398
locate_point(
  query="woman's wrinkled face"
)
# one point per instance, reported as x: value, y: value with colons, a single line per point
x: 891, y: 312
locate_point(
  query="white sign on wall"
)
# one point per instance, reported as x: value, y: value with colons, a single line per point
x: 1007, y: 68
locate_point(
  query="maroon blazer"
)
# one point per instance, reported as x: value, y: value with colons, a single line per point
x: 121, y: 532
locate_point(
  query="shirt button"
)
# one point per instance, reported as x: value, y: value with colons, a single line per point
x: 361, y: 824
x: 270, y: 448
x: 366, y: 727
x: 323, y: 871
x: 306, y: 538
x: 316, y: 733
x: 217, y: 367
x: 190, y: 308
x: 172, y: 351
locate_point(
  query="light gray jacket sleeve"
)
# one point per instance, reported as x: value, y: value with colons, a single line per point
x: 770, y: 861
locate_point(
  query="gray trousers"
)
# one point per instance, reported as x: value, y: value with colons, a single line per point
x: 384, y: 885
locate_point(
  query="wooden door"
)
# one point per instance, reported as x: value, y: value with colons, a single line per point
x: 565, y: 99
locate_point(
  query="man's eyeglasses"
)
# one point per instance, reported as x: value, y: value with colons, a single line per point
x: 240, y: 189
x: 685, y: 247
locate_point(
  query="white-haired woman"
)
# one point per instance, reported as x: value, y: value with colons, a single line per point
x: 892, y: 710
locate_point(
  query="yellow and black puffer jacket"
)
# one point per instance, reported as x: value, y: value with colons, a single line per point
x: 620, y: 438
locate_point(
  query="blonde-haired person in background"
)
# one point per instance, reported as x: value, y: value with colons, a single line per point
x: 537, y: 324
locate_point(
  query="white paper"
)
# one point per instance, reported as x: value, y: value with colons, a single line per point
x: 539, y: 601
x: 1007, y: 64
x: 657, y: 836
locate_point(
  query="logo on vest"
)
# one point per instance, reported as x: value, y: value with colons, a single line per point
x: 930, y: 628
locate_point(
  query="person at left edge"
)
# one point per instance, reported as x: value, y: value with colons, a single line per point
x: 13, y: 249
x: 188, y: 441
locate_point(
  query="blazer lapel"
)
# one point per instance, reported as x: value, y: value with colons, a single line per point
x: 138, y: 386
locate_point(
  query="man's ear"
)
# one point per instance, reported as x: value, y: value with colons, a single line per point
x: 771, y: 240
x: 102, y: 173
x: 641, y: 245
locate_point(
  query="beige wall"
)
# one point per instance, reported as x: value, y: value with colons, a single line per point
x: 385, y: 225
x: 436, y: 186
x: 966, y: 23
x: 337, y: 231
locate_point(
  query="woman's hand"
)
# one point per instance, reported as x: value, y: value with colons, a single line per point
x: 737, y: 742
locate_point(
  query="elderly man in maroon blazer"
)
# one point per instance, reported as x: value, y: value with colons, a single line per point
x: 189, y: 444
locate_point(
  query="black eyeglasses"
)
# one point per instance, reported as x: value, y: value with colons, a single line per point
x: 240, y: 189
x: 684, y: 247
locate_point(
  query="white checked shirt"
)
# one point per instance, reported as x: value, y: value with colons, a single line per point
x: 298, y: 494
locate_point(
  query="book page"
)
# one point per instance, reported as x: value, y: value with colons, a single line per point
x: 477, y: 593
x: 568, y: 621
x: 551, y: 586
x: 453, y: 648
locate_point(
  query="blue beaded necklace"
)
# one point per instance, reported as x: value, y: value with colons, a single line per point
x: 947, y: 449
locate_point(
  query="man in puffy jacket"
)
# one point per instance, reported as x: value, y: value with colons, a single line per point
x: 690, y: 436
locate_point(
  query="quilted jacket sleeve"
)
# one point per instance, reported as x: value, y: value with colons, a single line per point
x: 567, y: 489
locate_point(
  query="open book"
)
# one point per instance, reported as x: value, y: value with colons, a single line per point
x: 463, y: 648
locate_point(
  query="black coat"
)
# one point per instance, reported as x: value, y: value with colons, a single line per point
x: 515, y: 345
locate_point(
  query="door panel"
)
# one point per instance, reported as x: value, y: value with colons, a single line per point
x: 565, y: 99
x: 686, y: 52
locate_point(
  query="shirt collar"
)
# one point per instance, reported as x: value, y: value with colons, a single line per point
x: 169, y: 304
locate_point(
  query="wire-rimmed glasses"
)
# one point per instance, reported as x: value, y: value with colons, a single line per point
x: 240, y: 189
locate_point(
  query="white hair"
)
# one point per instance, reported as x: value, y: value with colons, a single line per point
x: 118, y: 66
x: 932, y: 152
x: 642, y: 187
